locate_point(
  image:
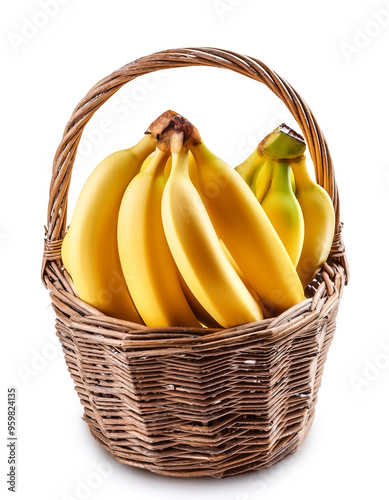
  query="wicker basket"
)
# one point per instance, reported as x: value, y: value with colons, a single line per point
x: 184, y: 402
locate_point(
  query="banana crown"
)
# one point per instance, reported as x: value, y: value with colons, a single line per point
x: 282, y: 144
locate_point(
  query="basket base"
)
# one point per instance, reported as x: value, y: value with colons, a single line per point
x: 240, y: 465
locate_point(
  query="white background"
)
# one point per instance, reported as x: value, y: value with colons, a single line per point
x: 336, y: 56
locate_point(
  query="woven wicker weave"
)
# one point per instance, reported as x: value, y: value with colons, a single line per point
x: 187, y: 402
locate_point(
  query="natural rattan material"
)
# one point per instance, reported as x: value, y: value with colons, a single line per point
x: 187, y: 402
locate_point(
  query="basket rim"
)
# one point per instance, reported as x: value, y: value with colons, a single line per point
x: 142, y: 340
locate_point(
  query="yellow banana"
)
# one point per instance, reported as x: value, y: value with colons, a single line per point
x: 147, y: 161
x: 192, y: 168
x: 199, y: 311
x: 260, y: 181
x: 292, y: 181
x: 197, y: 250
x: 263, y: 180
x: 249, y: 168
x: 242, y: 224
x: 148, y: 266
x: 284, y: 212
x: 90, y: 252
x: 319, y: 221
x: 240, y: 274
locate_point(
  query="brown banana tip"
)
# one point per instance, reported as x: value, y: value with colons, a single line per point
x: 285, y: 129
x: 161, y: 123
x: 190, y: 132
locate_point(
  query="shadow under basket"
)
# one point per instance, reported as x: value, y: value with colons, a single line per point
x: 182, y: 401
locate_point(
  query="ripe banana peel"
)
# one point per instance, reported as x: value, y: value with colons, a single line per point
x: 199, y: 311
x: 90, y: 250
x: 196, y: 248
x: 319, y: 222
x: 250, y: 167
x: 263, y: 179
x: 148, y: 266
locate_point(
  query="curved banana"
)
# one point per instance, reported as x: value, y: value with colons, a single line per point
x: 148, y: 266
x: 197, y: 250
x: 90, y: 252
x: 319, y: 221
x: 284, y: 212
x: 192, y: 168
x: 242, y: 224
x: 241, y: 275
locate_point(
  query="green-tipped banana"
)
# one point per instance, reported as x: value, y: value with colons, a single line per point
x: 257, y: 169
x: 283, y: 210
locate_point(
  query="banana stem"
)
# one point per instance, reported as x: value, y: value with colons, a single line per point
x: 144, y: 147
x: 176, y: 141
x: 169, y: 124
x: 281, y: 144
x: 162, y: 123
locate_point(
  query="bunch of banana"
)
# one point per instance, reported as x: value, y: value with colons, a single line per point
x: 197, y: 249
x: 299, y: 209
x: 167, y: 234
x: 243, y: 226
x: 90, y: 250
x: 115, y: 249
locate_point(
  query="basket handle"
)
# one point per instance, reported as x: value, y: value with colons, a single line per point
x: 176, y: 58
